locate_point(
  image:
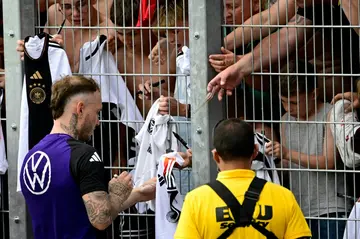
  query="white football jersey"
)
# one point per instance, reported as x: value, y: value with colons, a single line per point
x: 169, y: 201
x: 96, y: 62
x: 264, y: 165
x: 352, y: 229
x: 3, y: 162
x: 154, y: 138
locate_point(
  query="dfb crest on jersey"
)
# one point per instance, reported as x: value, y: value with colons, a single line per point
x: 151, y: 126
x: 37, y: 173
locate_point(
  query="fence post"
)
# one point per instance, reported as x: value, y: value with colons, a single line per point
x: 205, y: 18
x: 19, y: 21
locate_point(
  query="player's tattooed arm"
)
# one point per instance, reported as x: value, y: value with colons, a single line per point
x: 102, y: 207
x: 98, y: 208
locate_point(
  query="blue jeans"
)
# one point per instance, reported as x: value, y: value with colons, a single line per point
x: 324, y: 229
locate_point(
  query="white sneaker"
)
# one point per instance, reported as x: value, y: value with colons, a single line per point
x: 342, y: 133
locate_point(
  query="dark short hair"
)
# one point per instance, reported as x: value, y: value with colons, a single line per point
x: 63, y: 90
x: 124, y: 13
x: 292, y: 84
x: 234, y: 138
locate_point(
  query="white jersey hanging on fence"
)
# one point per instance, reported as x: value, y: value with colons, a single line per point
x: 3, y: 162
x: 169, y: 201
x: 98, y: 63
x: 118, y: 104
x: 352, y: 229
x: 182, y: 88
x: 45, y: 62
x: 182, y: 91
x: 155, y: 139
x: 264, y: 165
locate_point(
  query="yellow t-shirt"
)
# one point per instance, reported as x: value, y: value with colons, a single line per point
x: 205, y: 215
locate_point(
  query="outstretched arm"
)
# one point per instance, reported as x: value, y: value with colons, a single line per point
x: 294, y: 38
x: 351, y: 10
x: 278, y: 14
x: 262, y: 56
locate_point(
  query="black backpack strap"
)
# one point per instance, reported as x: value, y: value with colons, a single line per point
x: 243, y: 214
x: 263, y: 230
x: 252, y: 196
x: 231, y: 201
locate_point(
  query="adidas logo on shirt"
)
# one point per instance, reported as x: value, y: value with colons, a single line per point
x: 36, y: 76
x: 95, y: 158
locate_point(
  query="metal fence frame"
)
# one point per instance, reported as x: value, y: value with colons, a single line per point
x: 205, y: 38
x: 19, y: 21
x: 205, y: 30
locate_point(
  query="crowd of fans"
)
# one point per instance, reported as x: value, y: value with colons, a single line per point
x: 290, y: 81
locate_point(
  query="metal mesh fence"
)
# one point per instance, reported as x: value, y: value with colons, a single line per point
x: 295, y: 57
x: 286, y: 59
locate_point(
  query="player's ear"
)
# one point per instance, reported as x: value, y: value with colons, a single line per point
x: 216, y: 156
x: 256, y: 151
x: 80, y: 108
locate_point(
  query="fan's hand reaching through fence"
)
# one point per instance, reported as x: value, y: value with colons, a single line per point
x: 147, y: 90
x: 158, y: 54
x: 351, y: 96
x: 113, y: 44
x: 147, y: 191
x: 276, y: 150
x: 2, y: 79
x: 222, y: 61
x: 187, y: 156
x: 225, y: 82
x: 169, y: 105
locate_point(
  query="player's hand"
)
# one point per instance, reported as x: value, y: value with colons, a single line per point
x: 170, y: 106
x: 187, y: 156
x: 147, y: 191
x: 227, y: 80
x: 121, y: 185
x: 222, y: 61
x: 276, y: 150
x: 351, y: 96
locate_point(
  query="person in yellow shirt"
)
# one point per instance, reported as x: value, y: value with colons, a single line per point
x: 269, y: 210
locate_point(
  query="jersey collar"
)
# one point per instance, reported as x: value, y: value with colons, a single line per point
x: 238, y: 173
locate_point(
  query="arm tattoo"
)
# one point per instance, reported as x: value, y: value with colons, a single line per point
x: 120, y: 190
x: 72, y: 128
x: 98, y: 208
x: 103, y: 208
x: 119, y: 193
